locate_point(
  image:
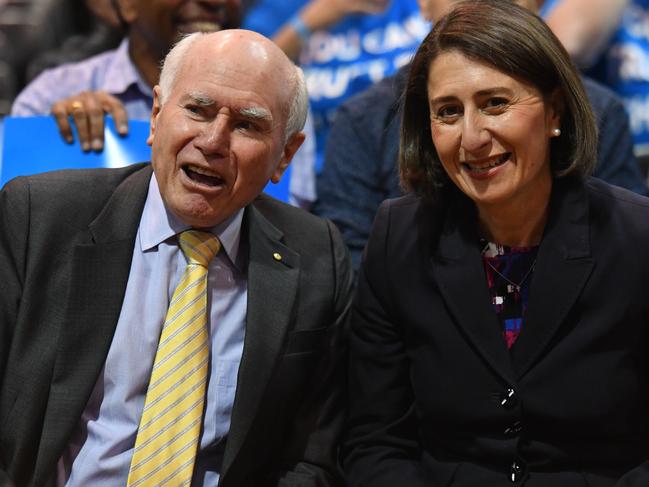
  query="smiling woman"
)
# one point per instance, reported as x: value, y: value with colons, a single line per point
x: 501, y: 330
x: 480, y: 121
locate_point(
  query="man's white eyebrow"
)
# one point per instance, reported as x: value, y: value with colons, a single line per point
x: 256, y: 113
x: 201, y: 99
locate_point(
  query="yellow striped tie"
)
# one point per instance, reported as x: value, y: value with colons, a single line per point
x: 167, y: 439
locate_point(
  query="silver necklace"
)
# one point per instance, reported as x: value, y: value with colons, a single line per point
x: 517, y: 285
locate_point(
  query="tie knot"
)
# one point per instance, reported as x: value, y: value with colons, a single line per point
x: 199, y: 247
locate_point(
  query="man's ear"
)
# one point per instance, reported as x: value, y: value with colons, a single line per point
x: 155, y: 111
x: 291, y: 147
x: 127, y: 10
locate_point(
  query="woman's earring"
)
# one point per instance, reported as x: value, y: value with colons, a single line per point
x: 556, y: 132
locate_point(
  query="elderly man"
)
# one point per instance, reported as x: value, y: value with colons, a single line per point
x: 167, y: 324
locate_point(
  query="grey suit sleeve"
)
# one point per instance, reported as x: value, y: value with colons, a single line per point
x: 14, y: 224
x: 14, y: 221
x: 5, y: 481
x: 638, y: 477
x: 312, y: 461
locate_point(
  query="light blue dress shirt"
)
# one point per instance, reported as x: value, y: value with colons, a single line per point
x: 100, y: 450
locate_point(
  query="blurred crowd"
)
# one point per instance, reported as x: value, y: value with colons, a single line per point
x: 609, y: 40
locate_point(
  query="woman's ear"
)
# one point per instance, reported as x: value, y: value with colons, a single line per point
x: 555, y: 108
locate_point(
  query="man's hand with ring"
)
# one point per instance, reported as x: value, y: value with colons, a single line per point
x: 88, y: 110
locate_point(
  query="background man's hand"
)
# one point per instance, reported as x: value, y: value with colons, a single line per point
x: 88, y: 110
x: 320, y: 15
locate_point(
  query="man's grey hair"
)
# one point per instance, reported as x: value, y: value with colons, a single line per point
x: 299, y: 105
x: 298, y: 102
x: 173, y: 62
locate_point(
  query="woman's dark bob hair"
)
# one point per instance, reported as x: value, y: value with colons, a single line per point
x: 513, y: 40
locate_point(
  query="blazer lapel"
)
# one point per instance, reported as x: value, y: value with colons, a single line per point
x: 563, y: 266
x: 458, y: 270
x: 99, y: 272
x: 273, y: 273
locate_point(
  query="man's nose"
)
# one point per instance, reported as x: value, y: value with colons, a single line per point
x: 214, y: 137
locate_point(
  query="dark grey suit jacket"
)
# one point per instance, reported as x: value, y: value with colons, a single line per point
x: 66, y: 243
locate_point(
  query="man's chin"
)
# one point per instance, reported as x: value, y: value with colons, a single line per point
x: 195, y: 211
x: 201, y: 222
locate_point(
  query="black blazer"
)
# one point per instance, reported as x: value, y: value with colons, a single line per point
x: 66, y: 242
x: 437, y: 399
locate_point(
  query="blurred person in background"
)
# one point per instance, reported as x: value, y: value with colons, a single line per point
x: 103, y: 31
x: 361, y: 170
x: 500, y: 331
x: 584, y: 27
x: 35, y: 35
x: 343, y: 46
x: 120, y: 82
x: 610, y: 39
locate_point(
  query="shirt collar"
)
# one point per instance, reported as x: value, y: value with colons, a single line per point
x: 121, y: 74
x: 159, y: 224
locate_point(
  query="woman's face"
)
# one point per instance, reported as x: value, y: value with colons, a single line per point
x: 491, y: 131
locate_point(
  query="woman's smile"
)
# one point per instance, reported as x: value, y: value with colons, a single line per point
x: 482, y: 169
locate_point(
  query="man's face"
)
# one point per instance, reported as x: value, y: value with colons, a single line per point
x: 219, y: 136
x: 163, y: 22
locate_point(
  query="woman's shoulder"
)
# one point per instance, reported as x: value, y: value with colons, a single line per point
x: 408, y: 210
x: 407, y: 201
x: 616, y: 213
x: 413, y: 202
x: 409, y: 218
x: 615, y: 197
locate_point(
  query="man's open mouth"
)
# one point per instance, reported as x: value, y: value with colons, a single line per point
x: 202, y: 175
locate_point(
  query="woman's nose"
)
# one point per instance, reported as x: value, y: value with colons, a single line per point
x: 475, y: 135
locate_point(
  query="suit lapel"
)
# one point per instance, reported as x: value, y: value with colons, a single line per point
x: 458, y: 270
x: 562, y: 268
x: 272, y: 289
x: 99, y: 272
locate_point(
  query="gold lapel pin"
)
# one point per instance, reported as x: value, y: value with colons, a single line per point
x: 277, y: 257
